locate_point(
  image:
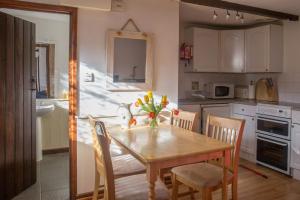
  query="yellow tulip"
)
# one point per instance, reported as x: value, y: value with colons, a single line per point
x: 140, y: 101
x: 146, y: 98
x: 150, y: 94
x: 164, y: 99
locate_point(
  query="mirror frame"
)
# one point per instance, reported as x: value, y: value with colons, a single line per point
x: 110, y: 85
x: 50, y: 68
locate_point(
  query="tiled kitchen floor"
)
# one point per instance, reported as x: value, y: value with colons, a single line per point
x: 53, y: 180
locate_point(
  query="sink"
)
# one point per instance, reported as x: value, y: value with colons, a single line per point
x: 42, y: 110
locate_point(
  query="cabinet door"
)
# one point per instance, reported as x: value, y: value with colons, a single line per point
x: 295, y: 155
x: 249, y: 137
x: 257, y: 49
x: 232, y: 51
x: 206, y: 50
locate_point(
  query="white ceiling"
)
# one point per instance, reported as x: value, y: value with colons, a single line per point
x: 190, y: 13
x: 288, y: 6
x: 41, y: 15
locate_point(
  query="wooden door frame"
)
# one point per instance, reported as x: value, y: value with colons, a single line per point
x: 73, y: 13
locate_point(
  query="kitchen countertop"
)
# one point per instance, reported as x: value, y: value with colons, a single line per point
x: 199, y: 101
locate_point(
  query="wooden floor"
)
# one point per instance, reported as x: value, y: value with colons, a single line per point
x: 254, y: 187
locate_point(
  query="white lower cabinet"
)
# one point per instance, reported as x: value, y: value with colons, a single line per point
x: 249, y: 139
x: 295, y: 145
x: 248, y: 146
x: 295, y: 150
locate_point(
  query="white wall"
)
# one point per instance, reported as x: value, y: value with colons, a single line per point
x: 159, y: 17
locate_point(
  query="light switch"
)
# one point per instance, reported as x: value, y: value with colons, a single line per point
x: 89, y: 77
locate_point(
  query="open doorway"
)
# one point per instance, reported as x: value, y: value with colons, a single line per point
x: 52, y: 103
x: 66, y: 93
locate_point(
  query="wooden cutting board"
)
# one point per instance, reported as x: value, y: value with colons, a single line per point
x: 266, y: 93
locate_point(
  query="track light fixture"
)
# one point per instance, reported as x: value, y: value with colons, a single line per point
x: 215, y: 16
x: 242, y: 18
x: 237, y: 16
x: 227, y: 15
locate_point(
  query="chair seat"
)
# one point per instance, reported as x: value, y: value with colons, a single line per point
x: 136, y: 188
x: 126, y: 165
x: 201, y: 174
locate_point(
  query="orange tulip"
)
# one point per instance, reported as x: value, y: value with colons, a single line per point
x: 175, y: 112
x: 132, y: 121
x: 152, y: 115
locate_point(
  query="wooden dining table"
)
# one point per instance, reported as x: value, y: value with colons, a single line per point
x: 170, y: 146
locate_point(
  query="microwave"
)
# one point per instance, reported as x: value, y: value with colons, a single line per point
x: 220, y: 91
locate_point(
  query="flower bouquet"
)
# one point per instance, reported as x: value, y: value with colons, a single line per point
x: 151, y: 108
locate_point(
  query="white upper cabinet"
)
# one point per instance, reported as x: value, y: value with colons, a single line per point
x: 264, y: 49
x: 206, y: 47
x: 252, y: 50
x: 232, y: 51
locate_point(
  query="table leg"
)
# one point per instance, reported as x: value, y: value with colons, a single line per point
x: 152, y: 174
x: 227, y: 161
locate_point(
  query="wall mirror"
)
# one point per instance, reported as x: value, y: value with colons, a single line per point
x: 45, y: 54
x: 129, y: 60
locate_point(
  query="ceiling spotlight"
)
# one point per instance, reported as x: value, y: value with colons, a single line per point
x: 215, y: 16
x: 237, y: 16
x: 227, y: 15
x: 242, y: 18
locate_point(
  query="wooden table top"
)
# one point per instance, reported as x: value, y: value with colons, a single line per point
x: 167, y: 142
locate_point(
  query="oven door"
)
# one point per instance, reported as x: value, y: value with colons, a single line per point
x: 277, y: 127
x: 273, y: 153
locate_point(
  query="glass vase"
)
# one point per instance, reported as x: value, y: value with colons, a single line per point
x: 154, y: 123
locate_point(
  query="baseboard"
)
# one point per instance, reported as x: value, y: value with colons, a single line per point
x: 54, y: 151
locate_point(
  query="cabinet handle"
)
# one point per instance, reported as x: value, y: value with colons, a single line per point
x: 243, y: 109
x: 267, y: 70
x: 293, y: 126
x: 253, y: 119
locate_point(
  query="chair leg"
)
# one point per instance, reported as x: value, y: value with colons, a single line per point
x: 234, y: 189
x: 192, y: 193
x: 206, y: 194
x: 175, y: 187
x: 96, y: 186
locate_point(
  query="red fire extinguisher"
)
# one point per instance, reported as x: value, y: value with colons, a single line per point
x: 186, y: 52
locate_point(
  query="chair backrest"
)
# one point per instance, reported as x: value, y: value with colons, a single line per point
x: 103, y: 158
x: 227, y: 130
x: 184, y: 119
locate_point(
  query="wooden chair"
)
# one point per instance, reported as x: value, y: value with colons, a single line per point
x: 123, y: 165
x: 127, y: 188
x: 207, y: 177
x: 184, y: 120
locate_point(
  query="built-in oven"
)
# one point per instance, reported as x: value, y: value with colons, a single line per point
x: 273, y: 136
x: 273, y: 153
x: 274, y: 126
